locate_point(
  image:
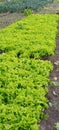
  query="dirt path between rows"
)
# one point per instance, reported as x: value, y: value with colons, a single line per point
x: 8, y: 18
x: 53, y: 94
x: 50, y: 9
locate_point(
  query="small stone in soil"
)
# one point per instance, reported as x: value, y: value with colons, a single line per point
x: 50, y: 104
x: 55, y: 78
x: 56, y: 63
x: 54, y: 93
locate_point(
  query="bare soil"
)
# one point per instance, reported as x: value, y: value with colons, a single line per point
x: 50, y: 9
x: 9, y: 18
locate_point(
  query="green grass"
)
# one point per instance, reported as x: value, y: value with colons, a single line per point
x: 57, y: 126
x: 56, y: 1
x: 24, y: 78
x: 2, y: 3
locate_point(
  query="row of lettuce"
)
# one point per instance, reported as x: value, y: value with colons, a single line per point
x: 20, y: 5
x: 24, y: 77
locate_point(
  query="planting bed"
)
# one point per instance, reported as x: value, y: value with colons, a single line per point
x: 24, y: 77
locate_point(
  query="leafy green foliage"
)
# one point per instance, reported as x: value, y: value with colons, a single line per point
x: 57, y: 126
x: 23, y: 86
x: 27, y: 12
x: 56, y: 1
x: 20, y: 5
x: 35, y: 37
x: 23, y: 76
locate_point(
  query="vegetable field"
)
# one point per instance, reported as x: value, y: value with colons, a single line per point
x: 20, y: 5
x: 24, y: 76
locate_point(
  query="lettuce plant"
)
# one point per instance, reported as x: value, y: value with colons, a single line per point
x: 24, y: 77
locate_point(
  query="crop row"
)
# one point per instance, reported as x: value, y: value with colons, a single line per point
x: 23, y: 86
x: 23, y: 76
x: 35, y: 35
x: 16, y: 6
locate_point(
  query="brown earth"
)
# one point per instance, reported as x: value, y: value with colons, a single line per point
x: 50, y: 9
x: 9, y: 18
